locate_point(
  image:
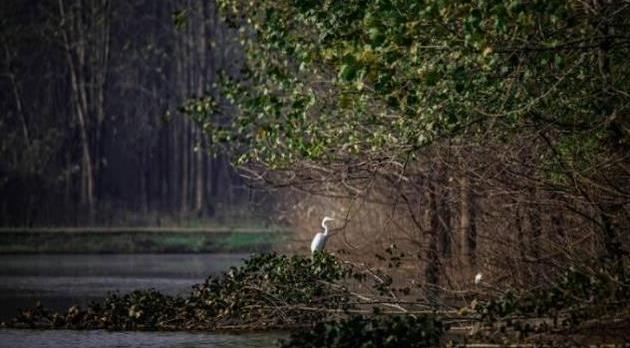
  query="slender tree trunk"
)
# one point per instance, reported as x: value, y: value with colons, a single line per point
x: 101, y: 52
x: 142, y: 182
x: 17, y: 96
x: 444, y: 218
x: 176, y: 165
x: 199, y: 186
x: 87, y: 196
x: 467, y: 234
x: 431, y: 219
x: 185, y: 78
x: 163, y: 165
x: 201, y: 82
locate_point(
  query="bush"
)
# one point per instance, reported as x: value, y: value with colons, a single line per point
x: 396, y: 331
x: 269, y: 290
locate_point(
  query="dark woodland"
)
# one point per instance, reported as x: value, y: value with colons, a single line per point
x: 91, y: 129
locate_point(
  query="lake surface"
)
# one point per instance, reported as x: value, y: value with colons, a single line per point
x: 105, y: 339
x: 61, y: 280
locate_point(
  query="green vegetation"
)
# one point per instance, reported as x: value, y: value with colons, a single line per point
x: 315, y: 298
x: 580, y: 300
x: 386, y: 332
x: 386, y: 78
x: 245, y: 241
x: 137, y: 241
x: 268, y: 291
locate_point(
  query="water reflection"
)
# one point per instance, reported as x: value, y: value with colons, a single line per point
x: 105, y: 339
x: 60, y: 281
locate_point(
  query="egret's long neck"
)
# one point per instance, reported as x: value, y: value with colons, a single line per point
x: 325, y: 228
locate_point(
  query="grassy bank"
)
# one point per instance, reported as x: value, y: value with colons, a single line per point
x: 138, y: 240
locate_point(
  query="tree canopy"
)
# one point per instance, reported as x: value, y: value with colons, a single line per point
x: 328, y: 80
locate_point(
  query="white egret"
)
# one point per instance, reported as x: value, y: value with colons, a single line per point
x: 319, y: 242
x: 478, y: 278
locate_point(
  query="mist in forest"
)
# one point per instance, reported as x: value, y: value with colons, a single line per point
x: 90, y: 128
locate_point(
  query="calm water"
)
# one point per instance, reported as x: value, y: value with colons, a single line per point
x: 60, y: 281
x: 104, y: 339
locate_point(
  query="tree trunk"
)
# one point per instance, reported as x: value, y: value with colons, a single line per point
x: 201, y: 82
x: 467, y: 233
x: 17, y: 96
x: 431, y: 219
x: 87, y: 197
x: 444, y: 218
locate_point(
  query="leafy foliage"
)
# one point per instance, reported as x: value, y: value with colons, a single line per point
x: 138, y: 310
x: 576, y: 297
x: 397, y: 331
x: 323, y: 81
x: 274, y: 289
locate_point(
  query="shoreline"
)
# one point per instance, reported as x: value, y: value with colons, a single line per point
x: 138, y: 240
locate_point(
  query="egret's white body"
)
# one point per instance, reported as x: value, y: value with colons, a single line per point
x: 478, y: 278
x: 319, y: 242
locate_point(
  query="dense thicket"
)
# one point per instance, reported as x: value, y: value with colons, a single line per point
x: 90, y: 130
x: 478, y: 136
